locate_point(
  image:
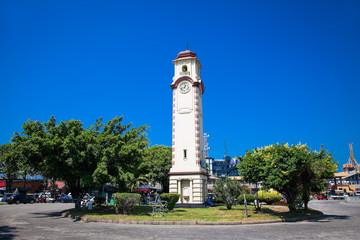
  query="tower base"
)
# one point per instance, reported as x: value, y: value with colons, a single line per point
x: 191, y: 187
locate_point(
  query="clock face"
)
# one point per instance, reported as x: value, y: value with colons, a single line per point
x: 184, y: 87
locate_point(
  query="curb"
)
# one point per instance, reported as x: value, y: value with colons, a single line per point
x: 117, y: 221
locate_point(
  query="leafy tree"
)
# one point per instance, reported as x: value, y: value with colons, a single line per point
x: 62, y: 151
x: 228, y: 190
x: 101, y: 174
x: 8, y: 165
x: 321, y: 167
x: 293, y: 171
x: 78, y: 156
x: 156, y: 165
x: 121, y: 151
x: 13, y: 164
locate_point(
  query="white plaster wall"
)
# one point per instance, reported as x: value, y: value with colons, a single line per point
x: 184, y: 139
x: 193, y: 65
x: 188, y: 133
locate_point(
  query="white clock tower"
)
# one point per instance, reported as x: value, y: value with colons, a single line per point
x: 188, y: 175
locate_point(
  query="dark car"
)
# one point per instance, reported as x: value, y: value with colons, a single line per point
x: 21, y: 198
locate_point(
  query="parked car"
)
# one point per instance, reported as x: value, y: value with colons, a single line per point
x: 322, y: 197
x: 45, y: 198
x: 65, y: 198
x: 21, y: 198
x: 6, y: 197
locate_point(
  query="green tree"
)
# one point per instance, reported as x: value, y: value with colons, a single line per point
x: 322, y: 167
x: 293, y: 171
x: 62, y: 151
x: 9, y: 166
x: 228, y: 190
x: 69, y: 152
x: 13, y: 164
x: 156, y: 165
x: 121, y: 148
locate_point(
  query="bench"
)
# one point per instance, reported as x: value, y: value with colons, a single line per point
x: 158, y: 206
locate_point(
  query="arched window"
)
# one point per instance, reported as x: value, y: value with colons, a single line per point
x: 184, y: 68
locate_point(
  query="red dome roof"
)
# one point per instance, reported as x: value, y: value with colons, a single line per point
x: 186, y: 54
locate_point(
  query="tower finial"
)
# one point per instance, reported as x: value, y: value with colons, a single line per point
x: 187, y: 45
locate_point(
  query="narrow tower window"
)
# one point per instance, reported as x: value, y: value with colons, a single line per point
x: 184, y: 68
x: 184, y: 153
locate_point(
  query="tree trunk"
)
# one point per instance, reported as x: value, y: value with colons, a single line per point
x: 306, y: 201
x: 8, y: 184
x: 291, y: 204
x: 165, y: 187
x: 257, y: 205
x: 75, y: 189
x: 24, y: 184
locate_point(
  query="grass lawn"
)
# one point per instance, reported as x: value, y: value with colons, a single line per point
x: 211, y: 214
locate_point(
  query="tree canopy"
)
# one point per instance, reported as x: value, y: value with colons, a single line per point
x: 295, y: 171
x: 80, y: 157
x: 156, y: 165
x: 10, y: 163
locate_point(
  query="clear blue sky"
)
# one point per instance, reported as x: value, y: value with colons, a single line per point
x: 274, y: 71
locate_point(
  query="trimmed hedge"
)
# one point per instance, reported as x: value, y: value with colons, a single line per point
x: 249, y: 198
x: 124, y: 203
x: 269, y: 197
x: 171, y: 198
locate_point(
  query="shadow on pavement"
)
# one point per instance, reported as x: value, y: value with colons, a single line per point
x: 330, y: 218
x: 6, y: 232
x: 47, y: 214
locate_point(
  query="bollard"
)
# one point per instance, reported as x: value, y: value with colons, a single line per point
x: 245, y: 203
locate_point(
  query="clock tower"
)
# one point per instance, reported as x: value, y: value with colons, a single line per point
x: 188, y: 175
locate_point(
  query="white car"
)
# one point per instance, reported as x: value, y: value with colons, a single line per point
x: 47, y: 198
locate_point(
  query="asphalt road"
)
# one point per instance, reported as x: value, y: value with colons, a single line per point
x: 41, y: 221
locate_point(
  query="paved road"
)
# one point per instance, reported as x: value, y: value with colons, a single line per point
x: 40, y: 221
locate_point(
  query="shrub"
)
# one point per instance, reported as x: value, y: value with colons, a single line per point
x: 99, y: 200
x: 171, y: 198
x: 269, y: 197
x: 249, y: 198
x: 227, y: 190
x: 246, y: 190
x: 124, y: 203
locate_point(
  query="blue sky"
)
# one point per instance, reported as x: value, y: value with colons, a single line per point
x: 274, y: 71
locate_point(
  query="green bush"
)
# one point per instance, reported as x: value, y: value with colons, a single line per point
x: 171, y: 198
x: 124, y: 203
x: 227, y: 190
x: 246, y: 190
x: 99, y: 200
x: 269, y: 197
x: 249, y: 198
